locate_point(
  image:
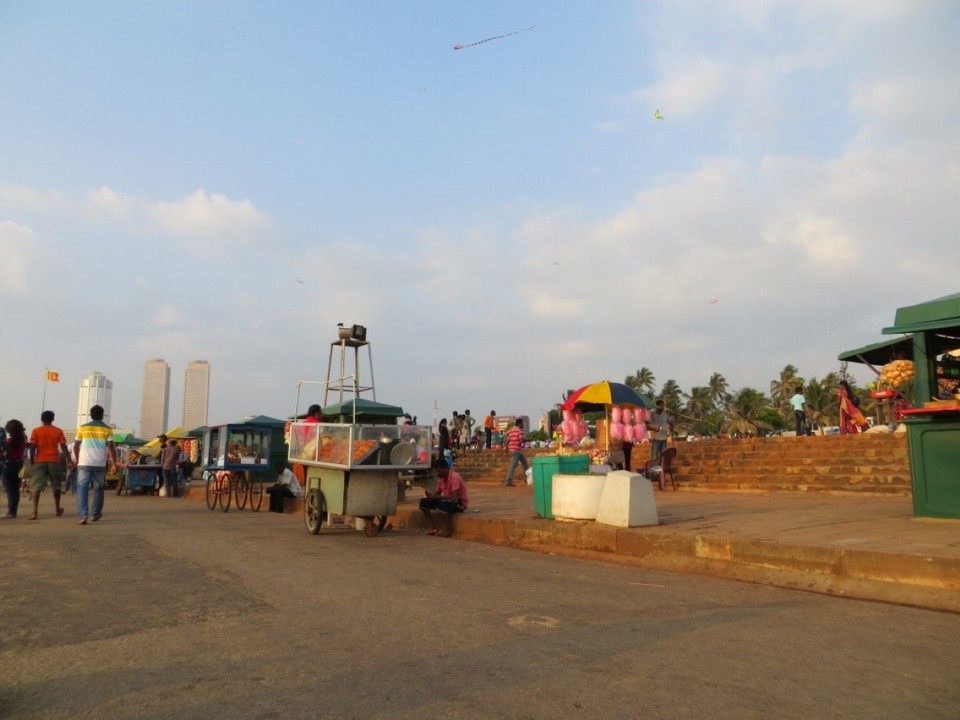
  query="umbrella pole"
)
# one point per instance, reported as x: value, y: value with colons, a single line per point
x: 606, y: 426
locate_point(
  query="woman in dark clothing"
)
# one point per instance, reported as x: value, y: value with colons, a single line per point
x: 443, y: 441
x: 16, y: 445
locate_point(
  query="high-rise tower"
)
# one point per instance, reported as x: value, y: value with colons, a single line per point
x: 155, y: 400
x: 196, y: 394
x: 95, y: 389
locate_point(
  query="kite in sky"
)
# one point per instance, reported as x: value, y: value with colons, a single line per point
x: 495, y: 37
x: 657, y: 115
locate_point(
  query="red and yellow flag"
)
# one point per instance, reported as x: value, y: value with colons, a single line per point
x: 53, y: 376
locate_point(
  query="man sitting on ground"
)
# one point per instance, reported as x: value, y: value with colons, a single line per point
x: 287, y: 486
x: 450, y: 497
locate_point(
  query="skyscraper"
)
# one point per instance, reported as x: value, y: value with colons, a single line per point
x: 94, y: 390
x: 155, y: 400
x: 196, y: 394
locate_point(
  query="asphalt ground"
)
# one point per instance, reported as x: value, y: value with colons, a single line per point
x: 164, y: 609
x: 868, y: 547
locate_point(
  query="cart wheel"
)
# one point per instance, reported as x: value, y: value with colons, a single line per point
x: 314, y: 510
x: 211, y: 491
x: 373, y: 525
x: 255, y: 488
x: 242, y: 488
x: 224, y: 491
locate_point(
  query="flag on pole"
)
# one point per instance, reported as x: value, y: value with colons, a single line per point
x: 53, y: 376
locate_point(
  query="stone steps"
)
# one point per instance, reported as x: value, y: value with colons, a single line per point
x: 871, y: 463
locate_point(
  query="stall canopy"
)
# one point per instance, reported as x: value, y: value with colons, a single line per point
x: 880, y: 353
x: 369, y: 411
x: 940, y: 314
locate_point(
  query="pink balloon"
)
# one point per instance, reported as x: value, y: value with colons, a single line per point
x: 642, y: 415
x: 628, y: 433
x: 581, y: 430
x: 640, y: 432
x: 578, y: 414
x: 616, y: 430
x: 566, y: 427
x: 627, y: 415
x: 567, y: 415
x: 615, y: 415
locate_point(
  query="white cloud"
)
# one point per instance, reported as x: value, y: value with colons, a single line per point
x: 212, y: 218
x: 17, y: 246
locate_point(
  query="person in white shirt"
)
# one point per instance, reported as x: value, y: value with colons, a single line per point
x: 286, y: 486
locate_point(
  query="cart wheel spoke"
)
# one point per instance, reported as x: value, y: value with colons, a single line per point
x: 211, y: 491
x: 242, y: 489
x: 373, y: 525
x: 226, y: 490
x: 314, y: 510
x: 256, y: 494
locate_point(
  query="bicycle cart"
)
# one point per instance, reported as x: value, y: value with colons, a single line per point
x: 354, y: 469
x: 233, y: 461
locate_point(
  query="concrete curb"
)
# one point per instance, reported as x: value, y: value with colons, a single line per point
x: 920, y: 581
x: 905, y: 579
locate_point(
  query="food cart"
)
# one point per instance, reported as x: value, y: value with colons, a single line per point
x: 234, y: 457
x: 931, y: 341
x: 354, y: 468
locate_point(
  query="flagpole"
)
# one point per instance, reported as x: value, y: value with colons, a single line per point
x: 46, y: 379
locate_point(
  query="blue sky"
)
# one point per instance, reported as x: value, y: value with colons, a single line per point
x: 228, y: 180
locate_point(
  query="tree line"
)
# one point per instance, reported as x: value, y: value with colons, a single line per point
x: 712, y: 409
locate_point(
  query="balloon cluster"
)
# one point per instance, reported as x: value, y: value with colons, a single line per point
x: 629, y: 425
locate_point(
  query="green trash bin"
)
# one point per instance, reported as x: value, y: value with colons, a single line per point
x: 544, y: 468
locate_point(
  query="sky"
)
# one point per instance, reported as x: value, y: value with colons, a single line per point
x: 226, y: 181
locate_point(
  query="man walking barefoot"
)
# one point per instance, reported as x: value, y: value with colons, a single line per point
x: 47, y: 449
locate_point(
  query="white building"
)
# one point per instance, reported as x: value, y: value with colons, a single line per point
x: 95, y: 389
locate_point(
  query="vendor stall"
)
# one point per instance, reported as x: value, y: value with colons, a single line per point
x: 926, y: 358
x: 933, y: 425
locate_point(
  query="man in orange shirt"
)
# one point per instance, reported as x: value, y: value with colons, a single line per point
x: 488, y: 422
x: 47, y: 449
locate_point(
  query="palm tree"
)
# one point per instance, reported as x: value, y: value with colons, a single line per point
x: 822, y: 399
x: 781, y: 390
x: 671, y: 393
x: 642, y: 380
x: 747, y: 407
x: 718, y: 389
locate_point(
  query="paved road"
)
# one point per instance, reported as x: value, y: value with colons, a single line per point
x: 166, y: 610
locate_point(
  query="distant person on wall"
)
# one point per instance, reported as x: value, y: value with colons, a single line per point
x: 852, y: 420
x: 515, y: 447
x: 169, y: 462
x: 95, y: 451
x: 15, y: 446
x: 467, y: 433
x: 456, y: 429
x: 286, y: 486
x: 47, y: 450
x: 660, y: 426
x: 449, y: 498
x: 488, y: 424
x: 799, y: 403
x: 443, y: 438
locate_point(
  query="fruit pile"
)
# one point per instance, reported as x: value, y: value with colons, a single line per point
x: 898, y: 372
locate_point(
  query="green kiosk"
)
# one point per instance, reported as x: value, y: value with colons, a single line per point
x: 933, y: 424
